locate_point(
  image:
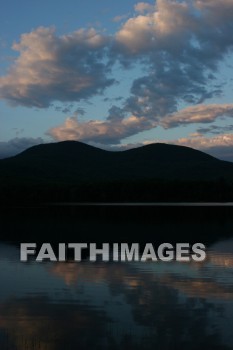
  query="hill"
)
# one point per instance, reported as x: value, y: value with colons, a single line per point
x: 76, y: 171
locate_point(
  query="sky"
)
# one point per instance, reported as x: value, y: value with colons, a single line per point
x: 117, y: 75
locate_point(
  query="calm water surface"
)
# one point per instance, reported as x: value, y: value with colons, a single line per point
x: 117, y: 305
x: 159, y: 305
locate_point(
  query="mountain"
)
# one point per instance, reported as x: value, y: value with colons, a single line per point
x: 75, y: 166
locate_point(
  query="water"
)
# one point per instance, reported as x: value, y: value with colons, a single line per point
x: 121, y: 305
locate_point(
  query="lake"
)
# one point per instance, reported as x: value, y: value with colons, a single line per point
x: 117, y: 305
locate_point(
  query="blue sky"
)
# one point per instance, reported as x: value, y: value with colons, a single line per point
x: 117, y: 74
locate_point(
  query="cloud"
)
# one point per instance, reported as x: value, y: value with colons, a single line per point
x: 215, y: 129
x: 117, y: 126
x: 110, y: 131
x: 194, y: 24
x: 120, y: 18
x: 142, y: 7
x: 52, y: 68
x: 150, y: 31
x: 198, y: 114
x: 220, y: 146
x: 201, y: 142
x: 181, y: 45
x: 17, y: 145
x: 178, y: 44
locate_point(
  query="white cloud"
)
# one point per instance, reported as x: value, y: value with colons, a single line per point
x: 117, y: 127
x: 168, y: 20
x: 197, y: 114
x: 142, y: 7
x: 51, y: 68
x: 101, y: 132
x: 202, y: 142
x: 220, y: 146
x: 120, y: 18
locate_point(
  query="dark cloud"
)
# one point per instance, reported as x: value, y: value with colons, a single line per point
x: 17, y: 145
x: 215, y: 129
x: 222, y: 152
x: 80, y: 111
x: 64, y: 109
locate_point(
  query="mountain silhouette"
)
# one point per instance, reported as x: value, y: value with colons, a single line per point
x: 75, y: 165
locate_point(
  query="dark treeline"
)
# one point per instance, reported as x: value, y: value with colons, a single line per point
x: 218, y: 190
x: 78, y: 223
x: 75, y: 172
